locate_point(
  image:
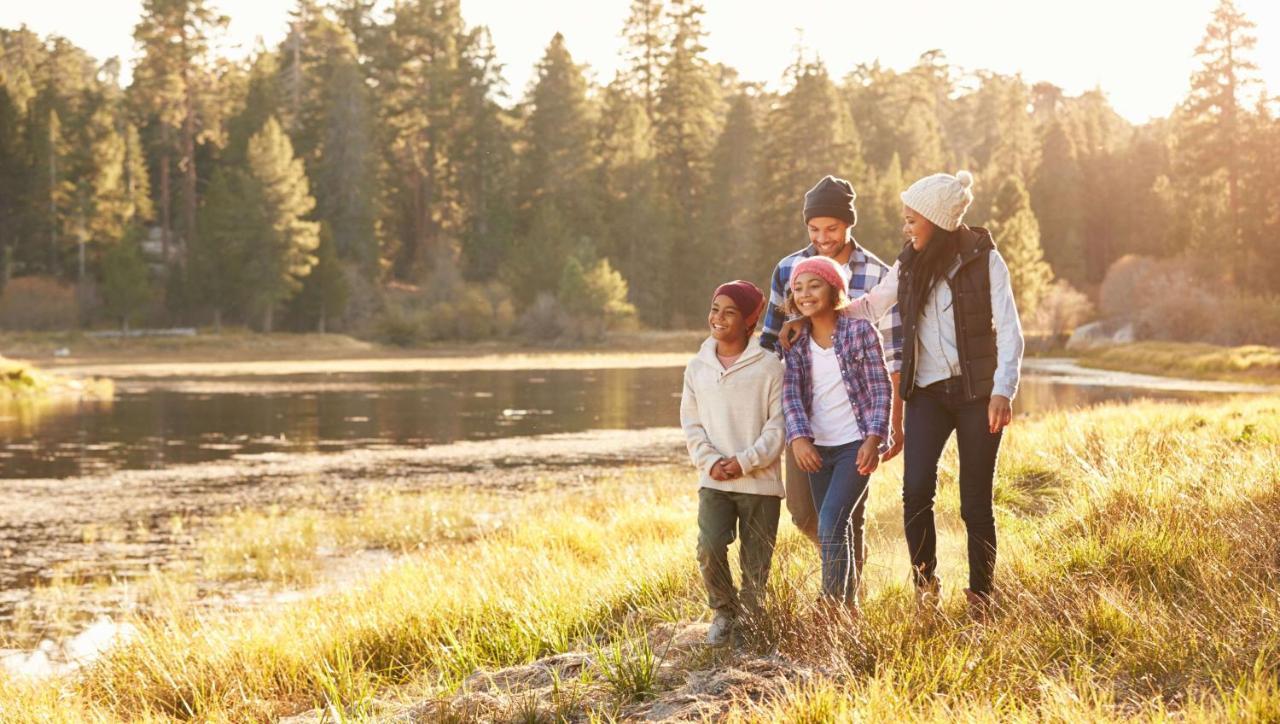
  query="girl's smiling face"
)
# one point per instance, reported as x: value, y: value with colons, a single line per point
x: 812, y: 295
x: 916, y: 228
x: 727, y: 322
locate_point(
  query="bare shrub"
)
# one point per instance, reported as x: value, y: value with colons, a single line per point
x: 1061, y: 310
x: 38, y: 303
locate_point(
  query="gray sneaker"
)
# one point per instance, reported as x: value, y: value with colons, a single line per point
x: 721, y: 630
x: 929, y: 596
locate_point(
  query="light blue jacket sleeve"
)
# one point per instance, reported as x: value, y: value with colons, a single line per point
x: 1009, y: 342
x: 876, y: 303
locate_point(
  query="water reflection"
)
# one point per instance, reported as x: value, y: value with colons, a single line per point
x: 196, y: 420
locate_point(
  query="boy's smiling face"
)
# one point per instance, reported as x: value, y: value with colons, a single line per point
x: 727, y: 322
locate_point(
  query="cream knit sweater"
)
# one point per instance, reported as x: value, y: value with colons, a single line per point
x: 735, y: 413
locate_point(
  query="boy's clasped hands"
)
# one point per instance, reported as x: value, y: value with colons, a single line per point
x: 726, y: 469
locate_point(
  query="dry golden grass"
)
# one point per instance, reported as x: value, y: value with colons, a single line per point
x: 1139, y: 555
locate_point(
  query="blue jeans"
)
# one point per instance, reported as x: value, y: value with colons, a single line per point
x: 840, y: 497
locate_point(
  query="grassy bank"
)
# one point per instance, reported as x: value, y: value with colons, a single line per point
x: 22, y: 382
x: 1138, y: 582
x: 1195, y: 361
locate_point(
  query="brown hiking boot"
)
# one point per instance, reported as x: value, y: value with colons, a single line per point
x: 981, y: 606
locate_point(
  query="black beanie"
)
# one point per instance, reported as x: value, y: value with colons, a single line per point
x: 831, y: 197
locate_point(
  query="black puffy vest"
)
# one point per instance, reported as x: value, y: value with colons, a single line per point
x: 971, y: 304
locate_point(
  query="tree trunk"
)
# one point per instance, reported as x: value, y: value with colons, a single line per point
x: 53, y: 203
x: 189, y: 180
x: 166, y: 223
x: 267, y: 314
x: 217, y: 320
x: 188, y: 153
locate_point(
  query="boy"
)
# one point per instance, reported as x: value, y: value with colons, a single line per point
x: 731, y: 413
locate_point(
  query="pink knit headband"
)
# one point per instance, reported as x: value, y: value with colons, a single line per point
x: 825, y: 269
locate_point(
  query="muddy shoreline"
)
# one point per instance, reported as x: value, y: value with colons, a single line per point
x: 120, y: 525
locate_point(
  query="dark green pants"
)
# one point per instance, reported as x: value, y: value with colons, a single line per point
x: 753, y: 519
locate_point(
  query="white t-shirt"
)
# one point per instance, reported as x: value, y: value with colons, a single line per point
x: 832, y: 418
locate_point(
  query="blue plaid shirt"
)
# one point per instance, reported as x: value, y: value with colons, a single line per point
x: 865, y: 271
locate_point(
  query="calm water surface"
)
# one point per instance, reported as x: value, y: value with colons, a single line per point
x: 154, y: 424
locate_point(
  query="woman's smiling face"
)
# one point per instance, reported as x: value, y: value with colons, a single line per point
x: 916, y: 228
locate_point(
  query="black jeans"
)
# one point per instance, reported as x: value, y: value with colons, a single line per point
x: 932, y: 414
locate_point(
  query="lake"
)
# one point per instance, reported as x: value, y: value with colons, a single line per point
x: 156, y: 423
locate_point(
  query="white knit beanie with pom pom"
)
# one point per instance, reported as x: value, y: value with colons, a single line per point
x: 941, y: 198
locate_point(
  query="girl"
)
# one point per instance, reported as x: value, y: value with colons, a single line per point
x: 731, y: 412
x: 836, y: 397
x: 962, y: 354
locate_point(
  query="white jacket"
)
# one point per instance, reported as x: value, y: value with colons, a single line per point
x: 735, y: 413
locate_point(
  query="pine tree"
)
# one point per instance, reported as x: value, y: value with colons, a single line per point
x: 282, y: 249
x: 126, y: 287
x: 12, y: 182
x: 684, y: 134
x: 996, y: 132
x: 487, y: 161
x: 647, y: 36
x: 733, y: 194
x: 1212, y: 140
x: 880, y: 211
x: 1017, y: 232
x: 230, y: 219
x: 808, y: 134
x: 420, y: 95
x: 261, y: 100
x: 560, y: 201
x: 596, y: 295
x: 1057, y: 199
x: 329, y: 113
x: 325, y: 290
x: 172, y: 82
x: 634, y: 222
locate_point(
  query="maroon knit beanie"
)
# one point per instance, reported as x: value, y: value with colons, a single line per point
x: 747, y: 296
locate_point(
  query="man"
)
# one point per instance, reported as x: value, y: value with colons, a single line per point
x: 830, y: 216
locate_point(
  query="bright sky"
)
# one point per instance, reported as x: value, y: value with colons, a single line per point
x: 1140, y: 52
